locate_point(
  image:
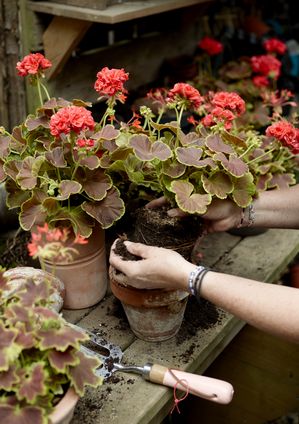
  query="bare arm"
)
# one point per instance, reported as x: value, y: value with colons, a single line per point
x: 274, y: 309
x: 272, y: 209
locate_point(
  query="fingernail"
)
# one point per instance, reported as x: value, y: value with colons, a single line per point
x: 172, y: 213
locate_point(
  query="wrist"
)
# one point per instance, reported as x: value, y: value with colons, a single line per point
x: 247, y: 216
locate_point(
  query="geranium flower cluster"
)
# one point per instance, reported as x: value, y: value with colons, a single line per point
x: 54, y: 244
x: 223, y: 107
x: 110, y: 83
x: 286, y: 133
x: 274, y: 45
x: 267, y: 66
x: 184, y: 94
x: 33, y: 64
x: 71, y: 118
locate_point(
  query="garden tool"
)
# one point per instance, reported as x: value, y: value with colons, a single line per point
x: 110, y: 355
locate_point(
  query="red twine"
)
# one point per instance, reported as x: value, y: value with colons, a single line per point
x: 176, y: 399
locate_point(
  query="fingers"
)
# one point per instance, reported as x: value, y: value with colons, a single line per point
x: 176, y: 213
x: 156, y: 203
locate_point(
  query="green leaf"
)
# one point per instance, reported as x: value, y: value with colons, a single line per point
x: 29, y: 171
x: 85, y: 373
x: 218, y: 184
x: 95, y: 183
x: 188, y: 202
x: 215, y: 143
x: 234, y: 165
x: 7, y: 355
x: 233, y: 139
x: 56, y: 157
x: 244, y: 189
x: 32, y: 211
x: 67, y: 188
x: 107, y: 211
x: 81, y: 223
x: 32, y: 382
x: 24, y: 415
x: 281, y: 181
x: 146, y: 150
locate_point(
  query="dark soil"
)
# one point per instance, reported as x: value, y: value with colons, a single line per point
x: 13, y: 249
x: 154, y: 227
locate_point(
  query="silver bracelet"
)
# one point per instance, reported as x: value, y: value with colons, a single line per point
x: 247, y: 216
x: 195, y: 279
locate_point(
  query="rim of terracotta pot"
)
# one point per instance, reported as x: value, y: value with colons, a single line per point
x: 148, y: 298
x: 64, y: 407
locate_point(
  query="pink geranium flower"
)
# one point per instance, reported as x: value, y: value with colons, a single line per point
x: 32, y: 64
x: 260, y: 81
x: 231, y: 101
x: 183, y: 92
x: 286, y: 133
x: 110, y: 83
x: 72, y: 118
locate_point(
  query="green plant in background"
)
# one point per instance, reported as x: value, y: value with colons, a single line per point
x: 40, y: 356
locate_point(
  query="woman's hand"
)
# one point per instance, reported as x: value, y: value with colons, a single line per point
x: 158, y: 268
x: 222, y: 215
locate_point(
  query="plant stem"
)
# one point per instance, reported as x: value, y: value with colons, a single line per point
x: 39, y: 91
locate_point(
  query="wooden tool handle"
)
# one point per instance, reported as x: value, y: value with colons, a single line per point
x: 206, y: 387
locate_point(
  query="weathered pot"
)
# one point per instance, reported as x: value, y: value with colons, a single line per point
x: 153, y: 315
x: 64, y: 410
x: 85, y: 278
x: 294, y: 273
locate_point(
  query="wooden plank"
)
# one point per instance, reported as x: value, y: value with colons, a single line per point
x: 65, y: 33
x: 115, y: 13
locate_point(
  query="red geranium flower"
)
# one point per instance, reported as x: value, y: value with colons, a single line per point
x: 231, y: 101
x: 273, y: 45
x: 260, y: 81
x: 183, y: 91
x: 266, y: 65
x: 33, y: 64
x: 211, y: 46
x: 72, y: 118
x: 110, y: 82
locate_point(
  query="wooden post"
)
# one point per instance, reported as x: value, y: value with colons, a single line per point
x: 12, y: 89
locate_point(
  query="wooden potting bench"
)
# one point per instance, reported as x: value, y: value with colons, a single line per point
x: 133, y: 400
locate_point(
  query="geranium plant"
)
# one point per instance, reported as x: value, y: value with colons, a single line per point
x: 188, y: 169
x: 51, y: 161
x: 40, y: 356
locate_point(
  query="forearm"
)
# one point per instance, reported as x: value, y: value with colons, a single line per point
x: 271, y: 308
x: 277, y: 208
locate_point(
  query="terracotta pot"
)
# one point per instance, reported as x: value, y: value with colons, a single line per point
x: 153, y: 315
x: 85, y: 278
x: 247, y: 231
x: 64, y: 410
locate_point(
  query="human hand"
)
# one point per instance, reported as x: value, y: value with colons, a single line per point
x: 158, y: 268
x: 221, y: 215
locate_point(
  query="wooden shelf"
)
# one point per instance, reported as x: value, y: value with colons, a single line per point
x: 113, y: 14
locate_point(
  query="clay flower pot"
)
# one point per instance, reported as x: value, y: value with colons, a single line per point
x: 85, y: 278
x: 294, y: 271
x: 64, y: 410
x: 153, y: 315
